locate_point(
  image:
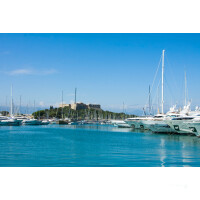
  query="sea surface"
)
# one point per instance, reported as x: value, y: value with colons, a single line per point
x: 94, y: 146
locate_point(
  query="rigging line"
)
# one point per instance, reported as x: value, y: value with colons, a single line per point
x: 154, y: 80
x: 154, y: 99
x: 170, y: 90
x: 187, y: 89
x: 171, y: 72
x: 174, y: 79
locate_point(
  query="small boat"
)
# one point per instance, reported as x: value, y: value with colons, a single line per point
x: 45, y: 122
x: 123, y: 125
x: 32, y: 122
x: 10, y: 122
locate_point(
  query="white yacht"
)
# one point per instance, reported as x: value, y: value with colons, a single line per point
x: 179, y: 124
x: 158, y: 125
x: 146, y: 122
x: 136, y: 121
x: 45, y: 122
x: 182, y: 124
x: 194, y: 126
x: 3, y: 117
x: 121, y: 124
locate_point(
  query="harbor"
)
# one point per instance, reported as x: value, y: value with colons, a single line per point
x: 141, y: 116
x: 180, y: 121
x: 99, y: 100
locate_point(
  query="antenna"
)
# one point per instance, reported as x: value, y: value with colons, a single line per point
x: 163, y: 57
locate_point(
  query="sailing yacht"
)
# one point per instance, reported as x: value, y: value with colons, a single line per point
x: 146, y: 122
x: 10, y: 121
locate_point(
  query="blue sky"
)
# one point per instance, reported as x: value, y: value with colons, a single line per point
x: 108, y: 69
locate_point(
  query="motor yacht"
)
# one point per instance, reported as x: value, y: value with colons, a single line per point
x: 9, y: 122
x: 182, y: 123
x: 31, y: 122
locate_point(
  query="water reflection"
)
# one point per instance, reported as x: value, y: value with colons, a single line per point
x: 184, y: 139
x: 162, y: 152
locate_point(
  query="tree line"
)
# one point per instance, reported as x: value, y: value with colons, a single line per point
x: 83, y: 114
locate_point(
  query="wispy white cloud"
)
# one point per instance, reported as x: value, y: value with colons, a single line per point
x: 20, y: 72
x: 26, y: 71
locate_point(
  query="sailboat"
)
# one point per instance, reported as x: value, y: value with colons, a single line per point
x: 33, y: 121
x: 159, y: 125
x: 147, y: 122
x: 63, y: 121
x: 189, y: 121
x: 10, y: 121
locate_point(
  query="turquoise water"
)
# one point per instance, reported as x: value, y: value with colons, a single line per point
x: 94, y: 146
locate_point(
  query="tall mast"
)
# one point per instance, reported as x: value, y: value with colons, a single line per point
x: 11, y: 102
x: 149, y: 100
x: 163, y: 57
x: 185, y: 89
x: 20, y: 104
x: 6, y: 103
x: 158, y: 100
x: 34, y: 108
x: 62, y: 104
x: 123, y: 111
x: 75, y: 95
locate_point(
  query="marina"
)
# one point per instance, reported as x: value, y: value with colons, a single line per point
x: 99, y: 100
x: 163, y: 132
x: 175, y: 121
